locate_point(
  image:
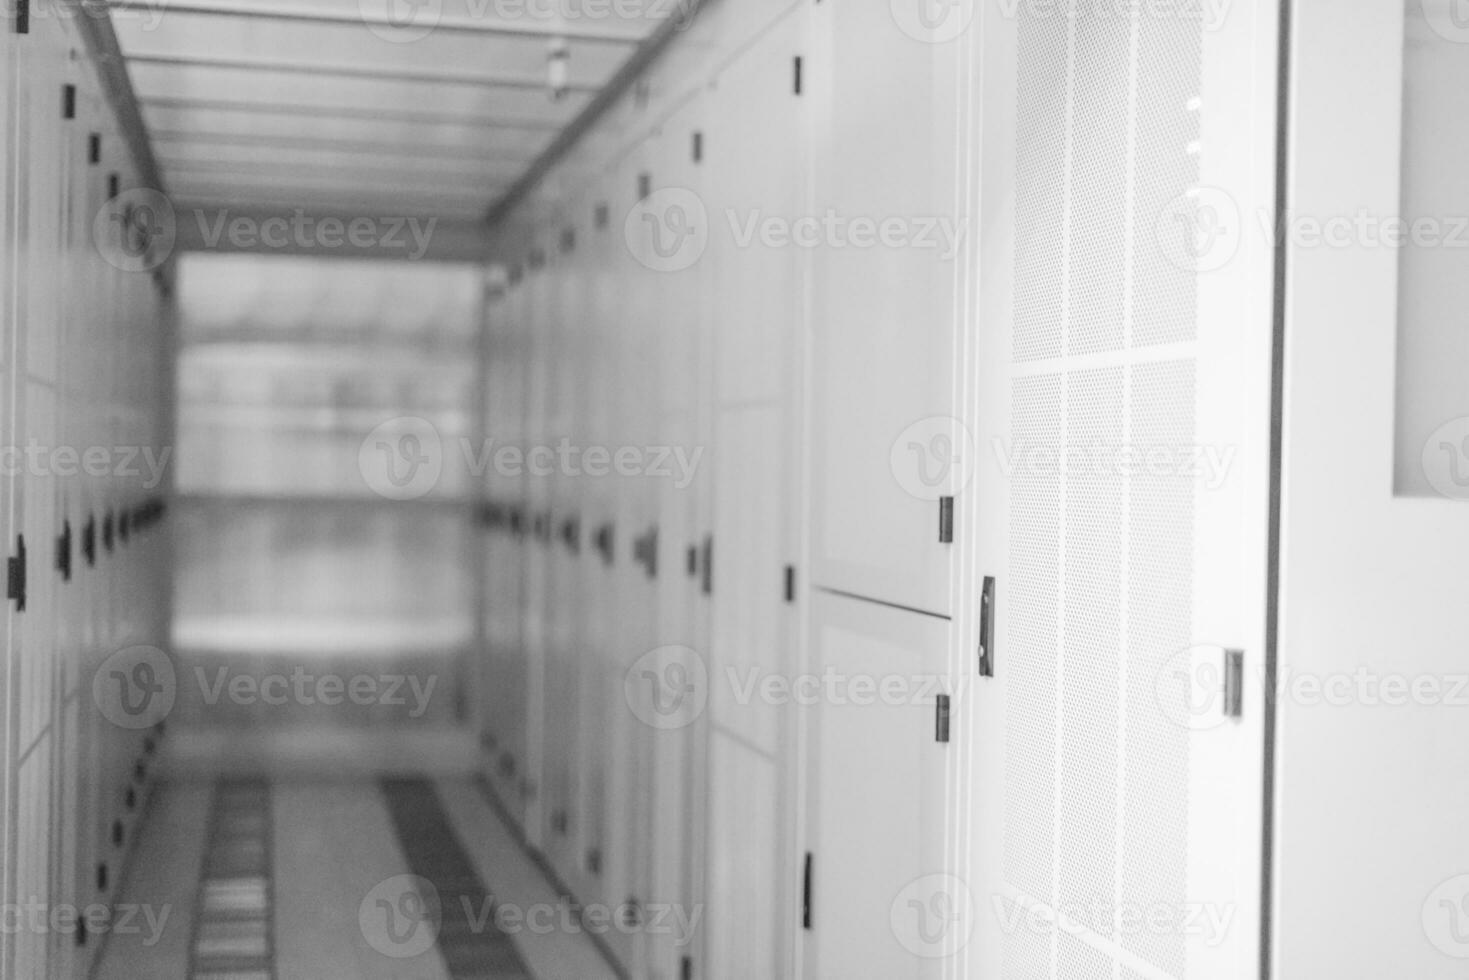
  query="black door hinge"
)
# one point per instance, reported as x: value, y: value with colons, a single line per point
x: 89, y: 540
x: 22, y: 16
x: 605, y: 545
x: 790, y: 583
x: 706, y: 566
x: 806, y: 893
x: 987, y: 627
x: 15, y: 587
x: 946, y: 520
x: 68, y: 101
x: 941, y: 718
x: 686, y: 968
x: 63, y: 551
x: 1234, y: 683
x: 796, y: 72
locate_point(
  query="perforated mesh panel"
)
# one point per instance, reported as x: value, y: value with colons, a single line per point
x: 1100, y: 582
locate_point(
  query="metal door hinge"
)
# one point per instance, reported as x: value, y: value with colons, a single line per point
x: 706, y: 566
x: 941, y: 718
x: 790, y: 583
x: 89, y: 540
x: 63, y: 551
x: 987, y: 627
x: 946, y: 520
x: 806, y: 893
x: 1234, y: 683
x: 16, y: 577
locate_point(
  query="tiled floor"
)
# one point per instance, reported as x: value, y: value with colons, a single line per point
x: 340, y: 876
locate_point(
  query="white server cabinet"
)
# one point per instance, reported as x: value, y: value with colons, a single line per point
x: 758, y: 286
x: 505, y: 715
x: 675, y: 830
x: 1370, y: 694
x: 1113, y: 763
x: 885, y: 446
x: 879, y: 890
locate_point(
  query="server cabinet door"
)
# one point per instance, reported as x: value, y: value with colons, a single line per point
x: 878, y: 896
x: 886, y: 448
x: 505, y: 696
x: 1373, y: 493
x: 1122, y: 372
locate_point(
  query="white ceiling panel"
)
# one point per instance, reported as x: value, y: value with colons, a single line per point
x: 438, y: 105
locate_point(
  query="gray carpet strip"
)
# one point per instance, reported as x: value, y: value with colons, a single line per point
x: 233, y: 933
x: 472, y: 947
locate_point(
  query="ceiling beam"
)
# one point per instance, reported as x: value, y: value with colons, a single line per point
x: 370, y: 73
x: 316, y: 144
x: 101, y: 44
x: 366, y: 113
x: 617, y: 86
x: 528, y: 29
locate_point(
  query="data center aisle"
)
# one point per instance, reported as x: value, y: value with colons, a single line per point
x: 301, y: 878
